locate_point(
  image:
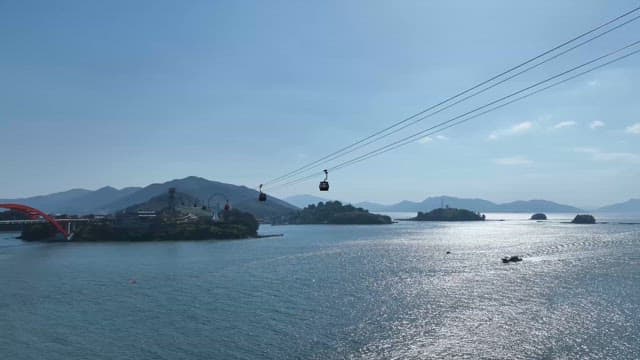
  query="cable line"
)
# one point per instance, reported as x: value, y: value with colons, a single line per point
x: 422, y: 134
x: 376, y: 134
x: 434, y: 130
x: 378, y: 138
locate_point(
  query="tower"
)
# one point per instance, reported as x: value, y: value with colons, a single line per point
x: 172, y: 199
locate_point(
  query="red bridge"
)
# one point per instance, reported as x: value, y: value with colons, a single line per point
x: 37, y: 214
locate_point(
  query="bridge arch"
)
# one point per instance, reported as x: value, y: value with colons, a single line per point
x: 34, y: 213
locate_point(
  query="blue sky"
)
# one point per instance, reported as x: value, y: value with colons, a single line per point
x: 123, y: 93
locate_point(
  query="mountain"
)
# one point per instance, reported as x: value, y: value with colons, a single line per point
x: 76, y: 201
x: 182, y: 203
x: 536, y: 206
x: 96, y: 201
x: 302, y: 201
x: 52, y: 202
x: 211, y: 193
x: 480, y: 205
x: 432, y: 203
x: 109, y: 200
x: 631, y: 205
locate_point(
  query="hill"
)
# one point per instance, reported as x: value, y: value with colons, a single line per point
x: 212, y: 192
x: 449, y: 214
x: 333, y: 212
x: 631, y: 205
x: 536, y: 206
x: 183, y: 203
x: 76, y: 201
x: 96, y: 201
x: 56, y: 202
x: 109, y: 200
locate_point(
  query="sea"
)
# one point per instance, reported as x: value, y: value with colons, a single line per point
x: 333, y: 292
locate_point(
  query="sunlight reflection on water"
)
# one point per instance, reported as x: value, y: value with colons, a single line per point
x: 331, y: 292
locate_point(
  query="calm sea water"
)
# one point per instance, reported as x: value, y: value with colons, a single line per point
x: 331, y: 292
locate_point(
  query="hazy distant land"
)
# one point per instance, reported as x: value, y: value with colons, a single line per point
x: 109, y: 200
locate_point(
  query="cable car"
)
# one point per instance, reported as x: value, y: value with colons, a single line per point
x: 324, y: 185
x: 227, y: 206
x: 262, y: 196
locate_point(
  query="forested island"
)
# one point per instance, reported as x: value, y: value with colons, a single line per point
x: 165, y: 217
x: 538, y: 216
x: 584, y: 219
x: 334, y: 212
x: 449, y: 214
x: 233, y: 224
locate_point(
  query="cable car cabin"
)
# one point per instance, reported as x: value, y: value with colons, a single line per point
x: 324, y: 184
x: 262, y: 196
x: 227, y: 206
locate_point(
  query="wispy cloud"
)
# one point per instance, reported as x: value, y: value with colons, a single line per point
x: 596, y: 124
x: 634, y: 129
x: 599, y: 155
x: 593, y: 83
x: 564, y: 124
x: 513, y: 161
x: 428, y: 139
x: 516, y: 129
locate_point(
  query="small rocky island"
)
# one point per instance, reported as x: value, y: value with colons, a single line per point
x: 334, y: 212
x: 538, y: 216
x: 449, y: 214
x: 166, y: 217
x: 583, y: 219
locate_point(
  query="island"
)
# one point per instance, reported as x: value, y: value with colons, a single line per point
x: 334, y: 212
x: 538, y: 216
x: 160, y: 219
x: 449, y: 214
x: 583, y: 219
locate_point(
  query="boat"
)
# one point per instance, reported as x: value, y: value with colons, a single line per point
x: 514, y: 258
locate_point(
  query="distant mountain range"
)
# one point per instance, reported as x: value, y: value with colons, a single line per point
x: 481, y: 205
x: 631, y: 205
x: 76, y: 201
x: 109, y: 200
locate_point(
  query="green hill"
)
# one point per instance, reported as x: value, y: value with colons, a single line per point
x: 449, y: 214
x: 333, y: 212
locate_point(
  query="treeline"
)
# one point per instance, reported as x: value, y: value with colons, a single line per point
x: 235, y: 224
x: 334, y: 212
x: 449, y: 214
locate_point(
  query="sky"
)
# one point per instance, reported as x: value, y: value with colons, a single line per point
x: 128, y: 93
